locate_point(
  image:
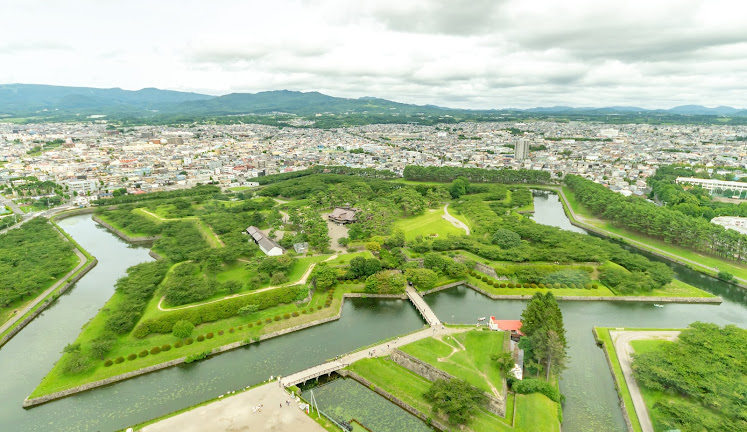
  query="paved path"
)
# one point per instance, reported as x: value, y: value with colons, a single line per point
x: 235, y: 413
x: 20, y: 313
x: 454, y: 221
x: 623, y: 349
x: 587, y: 221
x: 420, y: 304
x: 381, y: 350
x: 301, y: 281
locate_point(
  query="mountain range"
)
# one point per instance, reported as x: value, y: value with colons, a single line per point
x: 46, y: 101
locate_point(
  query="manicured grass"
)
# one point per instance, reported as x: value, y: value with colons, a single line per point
x: 344, y: 259
x: 675, y: 251
x: 473, y: 365
x: 429, y: 224
x: 533, y: 412
x: 603, y: 335
x: 57, y: 380
x: 600, y: 291
x: 677, y: 288
x: 120, y: 228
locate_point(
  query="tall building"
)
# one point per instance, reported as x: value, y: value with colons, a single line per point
x: 521, y: 150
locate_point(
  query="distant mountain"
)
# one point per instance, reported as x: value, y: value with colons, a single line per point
x: 25, y: 99
x: 56, y: 102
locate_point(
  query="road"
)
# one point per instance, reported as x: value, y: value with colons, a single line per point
x: 21, y: 312
x: 279, y: 413
x: 645, y: 246
x: 301, y: 281
x: 621, y: 340
x: 454, y: 221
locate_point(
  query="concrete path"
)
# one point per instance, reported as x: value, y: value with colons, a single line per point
x: 623, y: 349
x: 425, y: 311
x: 677, y: 258
x: 21, y: 312
x: 381, y: 350
x: 236, y: 413
x: 301, y: 281
x: 454, y: 221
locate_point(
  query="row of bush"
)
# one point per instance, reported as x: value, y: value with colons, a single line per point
x: 220, y: 310
x: 497, y: 284
x: 534, y: 385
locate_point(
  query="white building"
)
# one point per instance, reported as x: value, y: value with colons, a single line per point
x: 521, y: 151
x: 710, y: 184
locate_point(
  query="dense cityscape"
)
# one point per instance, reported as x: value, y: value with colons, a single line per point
x: 94, y: 159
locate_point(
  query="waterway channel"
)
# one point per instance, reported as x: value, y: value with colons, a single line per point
x: 591, y: 403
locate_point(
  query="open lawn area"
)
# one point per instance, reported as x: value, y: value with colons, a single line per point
x: 464, y: 355
x: 246, y: 328
x: 534, y: 412
x: 429, y: 224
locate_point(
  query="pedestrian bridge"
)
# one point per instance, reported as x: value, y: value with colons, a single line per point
x: 422, y: 307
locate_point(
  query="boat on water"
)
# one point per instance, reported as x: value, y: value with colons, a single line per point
x: 482, y: 318
x: 658, y: 305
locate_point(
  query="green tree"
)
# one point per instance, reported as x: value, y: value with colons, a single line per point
x: 505, y: 238
x: 182, y: 329
x: 324, y: 276
x: 459, y: 187
x: 421, y: 278
x: 455, y: 398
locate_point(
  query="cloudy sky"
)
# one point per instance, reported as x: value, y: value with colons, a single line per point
x: 459, y: 53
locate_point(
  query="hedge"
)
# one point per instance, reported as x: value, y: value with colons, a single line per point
x: 108, y: 363
x: 132, y: 356
x: 533, y: 385
x: 219, y: 310
x: 155, y: 350
x: 143, y: 353
x: 119, y: 359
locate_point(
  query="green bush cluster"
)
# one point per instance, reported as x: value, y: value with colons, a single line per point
x: 219, y: 310
x: 534, y: 385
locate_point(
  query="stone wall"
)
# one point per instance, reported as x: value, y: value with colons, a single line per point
x: 495, y: 405
x: 395, y: 400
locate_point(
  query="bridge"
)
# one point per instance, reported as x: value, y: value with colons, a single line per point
x: 422, y: 307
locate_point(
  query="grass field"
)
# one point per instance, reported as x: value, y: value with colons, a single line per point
x: 474, y: 364
x: 706, y: 260
x: 121, y: 229
x: 429, y: 224
x: 534, y: 412
x: 210, y: 237
x: 56, y: 380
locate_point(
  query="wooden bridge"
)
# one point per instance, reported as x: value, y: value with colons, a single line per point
x: 422, y: 307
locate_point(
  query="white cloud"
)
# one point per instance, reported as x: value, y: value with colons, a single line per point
x: 477, y: 54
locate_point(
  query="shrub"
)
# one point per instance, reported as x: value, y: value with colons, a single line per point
x: 503, y: 285
x: 319, y: 307
x: 132, y: 356
x: 286, y: 316
x: 182, y: 329
x: 533, y: 385
x: 250, y: 308
x: 277, y: 318
x: 119, y: 360
x: 196, y: 357
x: 220, y: 332
x: 484, y: 278
x: 595, y: 286
x: 242, y: 327
x: 155, y: 350
x: 165, y: 347
x: 143, y: 353
x: 268, y: 320
x: 189, y: 341
x: 209, y: 335
x: 108, y: 363
x: 200, y: 338
x: 178, y: 344
x: 510, y: 285
x: 231, y: 330
x: 250, y: 325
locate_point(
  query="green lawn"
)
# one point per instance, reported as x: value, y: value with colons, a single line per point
x: 57, y: 380
x: 533, y: 412
x: 473, y: 365
x: 119, y: 228
x: 344, y: 259
x: 675, y: 251
x: 210, y: 237
x: 429, y: 224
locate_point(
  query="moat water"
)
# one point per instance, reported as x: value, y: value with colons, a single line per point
x: 591, y: 401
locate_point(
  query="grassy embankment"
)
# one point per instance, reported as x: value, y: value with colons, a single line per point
x: 430, y: 224
x: 5, y: 313
x: 245, y: 329
x: 702, y: 261
x: 210, y: 237
x: 675, y: 288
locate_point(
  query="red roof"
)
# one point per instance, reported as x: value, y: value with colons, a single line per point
x: 507, y: 325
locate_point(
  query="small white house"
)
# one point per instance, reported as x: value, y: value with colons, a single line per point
x: 266, y: 244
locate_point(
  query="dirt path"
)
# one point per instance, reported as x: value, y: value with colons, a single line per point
x: 623, y: 349
x: 237, y: 413
x: 20, y: 313
x: 454, y: 221
x: 461, y: 348
x: 335, y: 233
x: 301, y: 281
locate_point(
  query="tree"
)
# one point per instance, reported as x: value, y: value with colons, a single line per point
x: 386, y: 282
x: 324, y: 276
x: 459, y: 187
x: 182, y: 329
x: 549, y: 349
x: 421, y: 278
x: 505, y: 238
x: 455, y: 398
x: 505, y: 362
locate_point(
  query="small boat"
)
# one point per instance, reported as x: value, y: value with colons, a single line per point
x: 482, y: 319
x: 658, y: 305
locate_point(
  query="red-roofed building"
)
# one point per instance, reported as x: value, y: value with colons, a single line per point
x: 511, y: 326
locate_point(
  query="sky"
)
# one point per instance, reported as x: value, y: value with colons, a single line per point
x: 458, y: 53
